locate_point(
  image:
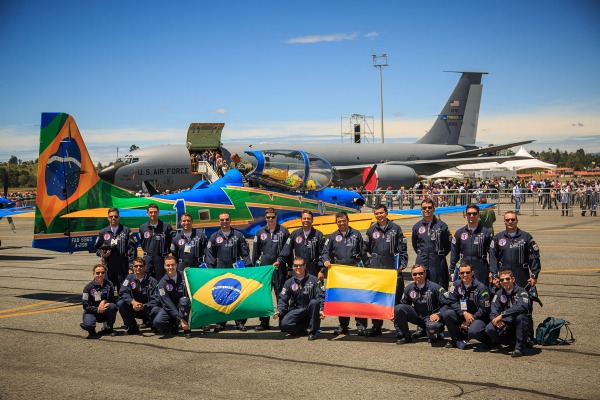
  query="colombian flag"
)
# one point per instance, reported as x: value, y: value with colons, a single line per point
x: 360, y: 292
x: 220, y: 295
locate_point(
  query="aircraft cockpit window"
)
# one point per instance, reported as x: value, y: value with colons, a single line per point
x: 134, y: 160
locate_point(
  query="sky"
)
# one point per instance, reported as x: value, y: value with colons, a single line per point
x: 139, y: 72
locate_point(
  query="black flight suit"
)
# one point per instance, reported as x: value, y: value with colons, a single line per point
x: 431, y: 242
x: 472, y: 248
x: 93, y: 295
x: 417, y: 305
x: 384, y: 244
x: 156, y: 243
x: 265, y: 250
x: 174, y: 302
x: 189, y: 251
x: 299, y: 305
x: 346, y: 249
x: 520, y: 253
x: 514, y: 308
x: 475, y: 300
x: 123, y: 250
x: 309, y: 247
x: 223, y: 251
x: 143, y: 291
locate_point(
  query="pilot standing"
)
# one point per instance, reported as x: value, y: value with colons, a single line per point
x: 431, y: 242
x: 155, y: 239
x: 387, y: 245
x: 305, y: 242
x: 268, y: 243
x: 227, y: 248
x: 189, y: 245
x: 345, y: 246
x: 117, y: 247
x: 471, y: 244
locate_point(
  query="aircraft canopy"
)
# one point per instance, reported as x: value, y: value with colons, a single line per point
x: 289, y: 169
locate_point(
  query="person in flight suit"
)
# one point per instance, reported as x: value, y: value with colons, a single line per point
x: 138, y: 297
x: 98, y: 302
x: 305, y: 242
x: 225, y: 249
x: 469, y: 309
x: 510, y: 317
x: 117, y: 247
x: 268, y: 243
x: 300, y: 303
x: 175, y: 305
x: 155, y: 239
x: 431, y: 242
x: 387, y: 246
x: 422, y: 304
x: 189, y: 245
x: 471, y: 244
x: 346, y: 247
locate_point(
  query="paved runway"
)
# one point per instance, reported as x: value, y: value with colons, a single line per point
x: 43, y: 353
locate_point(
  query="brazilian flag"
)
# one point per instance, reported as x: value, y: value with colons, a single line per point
x: 224, y: 294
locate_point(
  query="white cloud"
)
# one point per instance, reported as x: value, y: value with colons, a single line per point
x: 334, y: 37
x: 218, y: 111
x: 372, y: 35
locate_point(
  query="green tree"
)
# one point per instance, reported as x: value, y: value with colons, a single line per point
x: 133, y: 147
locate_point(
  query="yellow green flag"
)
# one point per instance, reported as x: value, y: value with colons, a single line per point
x: 226, y: 294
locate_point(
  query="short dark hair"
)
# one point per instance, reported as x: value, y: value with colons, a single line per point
x: 428, y: 201
x: 140, y: 260
x: 151, y: 205
x: 380, y: 206
x: 473, y: 206
x: 98, y: 266
x: 464, y: 264
x: 308, y: 212
x: 186, y: 215
x: 270, y: 210
x: 418, y: 266
x: 171, y: 258
x: 113, y: 209
x: 504, y: 271
x: 341, y: 214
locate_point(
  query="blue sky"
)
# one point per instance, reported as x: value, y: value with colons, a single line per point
x: 141, y: 71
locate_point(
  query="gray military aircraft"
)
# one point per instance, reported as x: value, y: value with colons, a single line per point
x: 449, y: 142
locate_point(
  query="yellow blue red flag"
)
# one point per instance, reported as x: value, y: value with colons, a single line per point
x: 220, y: 295
x: 360, y: 292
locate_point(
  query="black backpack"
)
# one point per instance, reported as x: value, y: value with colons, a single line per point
x: 548, y: 332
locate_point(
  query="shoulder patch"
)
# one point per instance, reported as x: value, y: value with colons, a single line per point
x: 85, y: 296
x: 125, y: 282
x: 161, y: 291
x: 495, y: 298
x: 282, y: 291
x: 486, y: 303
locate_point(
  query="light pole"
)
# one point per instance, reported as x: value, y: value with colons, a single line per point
x: 380, y: 62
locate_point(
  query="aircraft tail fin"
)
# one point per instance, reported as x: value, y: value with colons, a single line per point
x: 67, y: 180
x: 457, y: 122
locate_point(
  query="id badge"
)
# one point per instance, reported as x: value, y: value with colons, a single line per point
x: 463, y: 305
x: 187, y: 248
x: 97, y: 296
x: 113, y: 242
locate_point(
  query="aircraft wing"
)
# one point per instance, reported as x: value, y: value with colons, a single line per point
x: 327, y: 225
x: 453, y: 162
x: 103, y: 212
x: 19, y: 212
x: 491, y: 149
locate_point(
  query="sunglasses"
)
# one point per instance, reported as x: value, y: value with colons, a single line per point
x: 100, y: 273
x: 224, y: 219
x: 138, y: 266
x: 510, y: 219
x: 270, y: 217
x: 465, y: 273
x: 298, y: 265
x: 505, y: 279
x: 427, y: 208
x: 418, y: 273
x: 472, y: 213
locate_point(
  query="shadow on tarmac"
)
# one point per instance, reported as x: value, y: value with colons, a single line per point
x: 24, y: 258
x: 57, y: 297
x: 434, y: 380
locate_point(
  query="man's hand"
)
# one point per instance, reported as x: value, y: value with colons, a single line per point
x: 468, y: 318
x: 103, y: 306
x: 434, y: 317
x: 185, y: 326
x: 532, y: 281
x: 321, y: 315
x: 276, y: 315
x: 106, y: 253
x: 320, y: 276
x: 497, y: 322
x: 137, y: 306
x: 327, y: 264
x: 276, y: 264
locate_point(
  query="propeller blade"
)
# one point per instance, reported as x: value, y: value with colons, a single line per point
x: 12, y: 224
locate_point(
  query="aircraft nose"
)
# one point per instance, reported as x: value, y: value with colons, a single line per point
x: 359, y: 201
x: 108, y: 174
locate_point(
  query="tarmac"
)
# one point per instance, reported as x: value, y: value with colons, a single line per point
x: 43, y: 353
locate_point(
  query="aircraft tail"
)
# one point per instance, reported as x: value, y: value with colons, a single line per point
x: 67, y: 182
x: 457, y: 122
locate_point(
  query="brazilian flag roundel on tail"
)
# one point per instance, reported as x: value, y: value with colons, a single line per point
x: 220, y: 295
